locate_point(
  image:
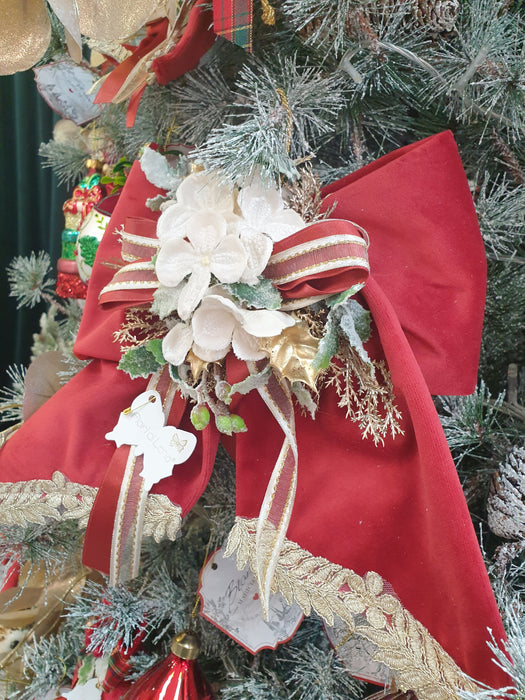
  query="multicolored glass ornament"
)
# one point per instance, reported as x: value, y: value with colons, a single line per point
x: 178, y: 677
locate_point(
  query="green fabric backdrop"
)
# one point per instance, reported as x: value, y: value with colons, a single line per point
x: 30, y: 202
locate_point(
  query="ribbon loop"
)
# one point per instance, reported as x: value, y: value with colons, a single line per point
x: 326, y: 257
x: 135, y: 282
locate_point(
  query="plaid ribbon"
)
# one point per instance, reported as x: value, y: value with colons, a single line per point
x: 119, y: 664
x: 233, y: 20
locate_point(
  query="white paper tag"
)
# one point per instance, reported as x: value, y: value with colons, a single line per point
x: 142, y: 425
x: 89, y: 691
x: 231, y: 602
x: 64, y: 86
x: 356, y: 654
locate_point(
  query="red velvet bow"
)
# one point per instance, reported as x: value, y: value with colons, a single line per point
x: 397, y: 509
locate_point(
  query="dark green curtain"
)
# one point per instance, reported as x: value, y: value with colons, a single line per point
x: 30, y: 202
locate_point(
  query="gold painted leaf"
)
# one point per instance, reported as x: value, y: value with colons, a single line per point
x: 292, y: 353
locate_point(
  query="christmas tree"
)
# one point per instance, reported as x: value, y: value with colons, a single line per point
x: 270, y: 442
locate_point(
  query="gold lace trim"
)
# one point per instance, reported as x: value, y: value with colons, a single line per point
x: 416, y: 660
x: 30, y: 502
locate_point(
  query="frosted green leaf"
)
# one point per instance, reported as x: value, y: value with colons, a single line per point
x: 262, y: 295
x: 328, y: 345
x: 343, y: 296
x: 355, y: 324
x: 165, y: 300
x: 251, y: 382
x: 154, y: 346
x: 138, y: 362
x: 304, y: 398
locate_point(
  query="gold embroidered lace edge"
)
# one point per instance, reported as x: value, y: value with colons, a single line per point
x: 33, y: 502
x: 415, y: 658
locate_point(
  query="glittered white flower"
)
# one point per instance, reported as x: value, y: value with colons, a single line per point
x: 258, y: 247
x: 263, y: 210
x: 177, y: 343
x: 197, y: 193
x: 218, y: 325
x: 208, y: 250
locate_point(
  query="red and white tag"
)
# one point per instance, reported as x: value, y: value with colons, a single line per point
x: 230, y: 601
x: 88, y: 691
x: 356, y: 654
x: 64, y: 86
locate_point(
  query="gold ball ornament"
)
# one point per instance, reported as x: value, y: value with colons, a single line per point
x: 25, y: 33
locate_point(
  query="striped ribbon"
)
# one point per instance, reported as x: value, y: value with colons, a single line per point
x: 136, y: 281
x: 327, y: 257
x: 121, y: 500
x: 277, y: 505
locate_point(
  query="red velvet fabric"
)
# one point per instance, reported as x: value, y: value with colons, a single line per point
x: 397, y: 509
x: 67, y: 433
x: 198, y: 37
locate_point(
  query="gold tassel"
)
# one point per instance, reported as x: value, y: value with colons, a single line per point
x: 268, y: 13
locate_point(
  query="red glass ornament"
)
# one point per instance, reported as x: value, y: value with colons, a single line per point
x: 178, y: 677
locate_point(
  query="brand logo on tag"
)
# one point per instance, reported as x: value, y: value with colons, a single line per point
x: 142, y: 425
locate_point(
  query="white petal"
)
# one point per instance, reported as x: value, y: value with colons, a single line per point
x: 205, y: 230
x: 213, y: 324
x: 193, y: 291
x: 217, y: 301
x: 171, y: 223
x: 228, y: 260
x: 176, y: 259
x: 264, y: 323
x: 202, y: 190
x: 258, y: 249
x: 177, y: 343
x: 283, y: 224
x: 246, y: 346
x: 210, y: 355
x: 258, y: 204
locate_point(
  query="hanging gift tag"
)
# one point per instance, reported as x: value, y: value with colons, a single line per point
x: 356, y: 654
x: 142, y: 425
x: 64, y: 86
x: 230, y: 601
x: 89, y: 691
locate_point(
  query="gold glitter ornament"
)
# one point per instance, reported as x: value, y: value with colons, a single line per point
x: 292, y: 353
x: 25, y: 33
x: 108, y: 20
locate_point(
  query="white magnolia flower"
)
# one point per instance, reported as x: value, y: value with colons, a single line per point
x: 264, y: 211
x: 208, y: 250
x: 218, y: 325
x: 197, y: 193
